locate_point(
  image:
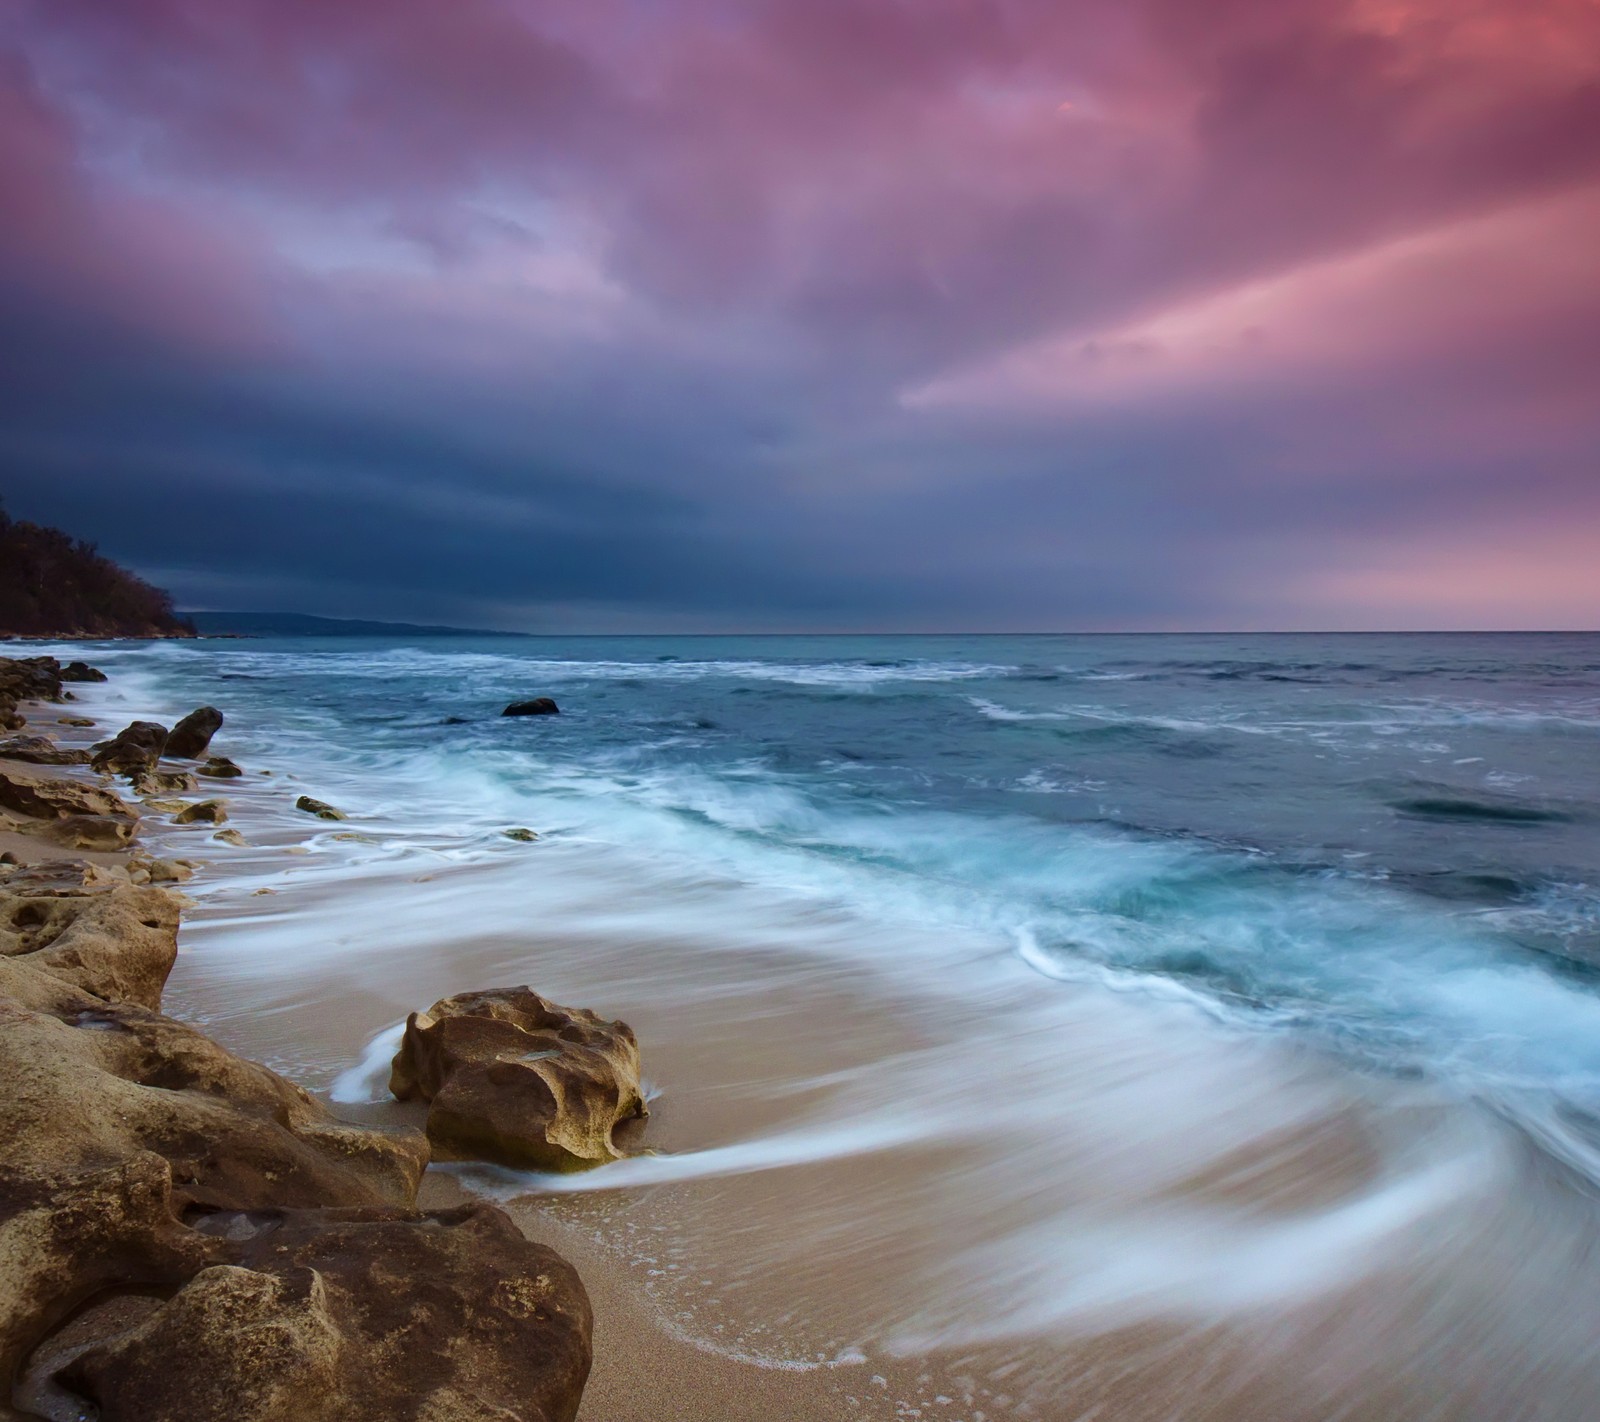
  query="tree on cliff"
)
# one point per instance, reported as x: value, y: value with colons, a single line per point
x: 53, y: 585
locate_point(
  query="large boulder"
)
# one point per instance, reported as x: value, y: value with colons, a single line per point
x: 81, y: 671
x: 512, y: 1077
x: 41, y: 750
x: 326, y: 1316
x: 134, y: 750
x: 539, y: 706
x: 193, y: 734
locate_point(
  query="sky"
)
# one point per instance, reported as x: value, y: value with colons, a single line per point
x: 705, y: 315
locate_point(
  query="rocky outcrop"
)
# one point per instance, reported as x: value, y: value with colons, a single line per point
x: 26, y: 679
x: 42, y: 796
x: 321, y: 809
x: 41, y: 750
x: 133, y: 751
x: 193, y: 733
x: 81, y: 671
x: 539, y: 706
x: 187, y: 1237
x: 512, y: 1077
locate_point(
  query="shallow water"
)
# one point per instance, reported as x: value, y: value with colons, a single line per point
x: 1079, y: 984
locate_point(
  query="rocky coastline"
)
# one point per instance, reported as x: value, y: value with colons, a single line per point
x: 185, y: 1234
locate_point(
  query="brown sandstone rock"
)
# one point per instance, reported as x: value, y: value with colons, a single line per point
x: 79, y: 721
x: 334, y: 1315
x: 193, y: 733
x: 513, y: 1078
x: 209, y: 812
x: 163, y: 782
x: 41, y: 750
x: 219, y: 767
x: 135, y: 748
x: 91, y: 831
x: 233, y: 837
x: 46, y: 797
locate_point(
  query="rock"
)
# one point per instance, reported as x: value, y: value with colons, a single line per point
x: 332, y: 1315
x: 219, y: 767
x: 166, y: 806
x: 210, y: 812
x: 81, y: 671
x: 142, y: 869
x: 30, y: 679
x: 513, y: 1078
x: 118, y: 941
x: 79, y: 721
x: 91, y: 831
x: 193, y: 734
x: 523, y: 836
x: 41, y: 750
x: 233, y: 837
x: 539, y: 706
x: 45, y: 797
x: 135, y: 748
x: 318, y: 808
x: 163, y: 782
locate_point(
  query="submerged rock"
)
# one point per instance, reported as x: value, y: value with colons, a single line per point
x: 219, y: 767
x: 512, y: 1077
x: 233, y: 837
x: 319, y: 808
x: 539, y: 706
x: 134, y: 749
x: 193, y: 733
x: 523, y: 836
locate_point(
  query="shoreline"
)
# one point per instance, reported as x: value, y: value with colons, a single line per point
x: 994, y: 1277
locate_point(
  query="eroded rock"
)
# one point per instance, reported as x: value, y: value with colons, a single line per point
x: 164, y: 782
x: 41, y: 750
x: 42, y: 796
x: 134, y: 749
x: 320, y: 808
x: 208, y: 812
x: 219, y: 767
x: 193, y: 733
x: 512, y: 1077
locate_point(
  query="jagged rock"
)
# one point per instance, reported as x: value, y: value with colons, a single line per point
x: 193, y: 734
x: 41, y: 750
x: 81, y: 671
x: 210, y: 812
x: 330, y: 1315
x: 219, y: 767
x: 118, y: 941
x: 135, y: 748
x: 233, y: 837
x: 46, y: 797
x: 523, y: 836
x: 163, y: 782
x: 539, y: 706
x: 319, y: 808
x: 91, y: 831
x: 30, y: 678
x: 513, y: 1078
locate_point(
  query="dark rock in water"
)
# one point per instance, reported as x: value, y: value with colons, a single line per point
x: 219, y: 767
x: 193, y: 734
x: 539, y: 706
x: 137, y: 747
x: 202, y: 812
x: 81, y: 671
x: 513, y: 1078
x: 41, y: 750
x: 454, y: 721
x: 522, y: 836
x: 319, y: 808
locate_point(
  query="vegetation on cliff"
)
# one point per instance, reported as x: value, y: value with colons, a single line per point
x: 54, y: 585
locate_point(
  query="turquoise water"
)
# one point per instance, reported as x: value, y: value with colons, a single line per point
x: 1385, y: 846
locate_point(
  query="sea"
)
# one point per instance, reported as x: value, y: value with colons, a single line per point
x: 1376, y: 853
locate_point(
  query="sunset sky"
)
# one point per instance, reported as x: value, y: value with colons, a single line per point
x: 815, y: 314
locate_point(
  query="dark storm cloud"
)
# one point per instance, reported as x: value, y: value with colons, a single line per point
x: 806, y: 312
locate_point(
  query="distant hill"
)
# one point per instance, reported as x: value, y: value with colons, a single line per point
x: 54, y: 585
x: 301, y: 624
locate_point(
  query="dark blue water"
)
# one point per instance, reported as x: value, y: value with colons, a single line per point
x: 1389, y: 845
